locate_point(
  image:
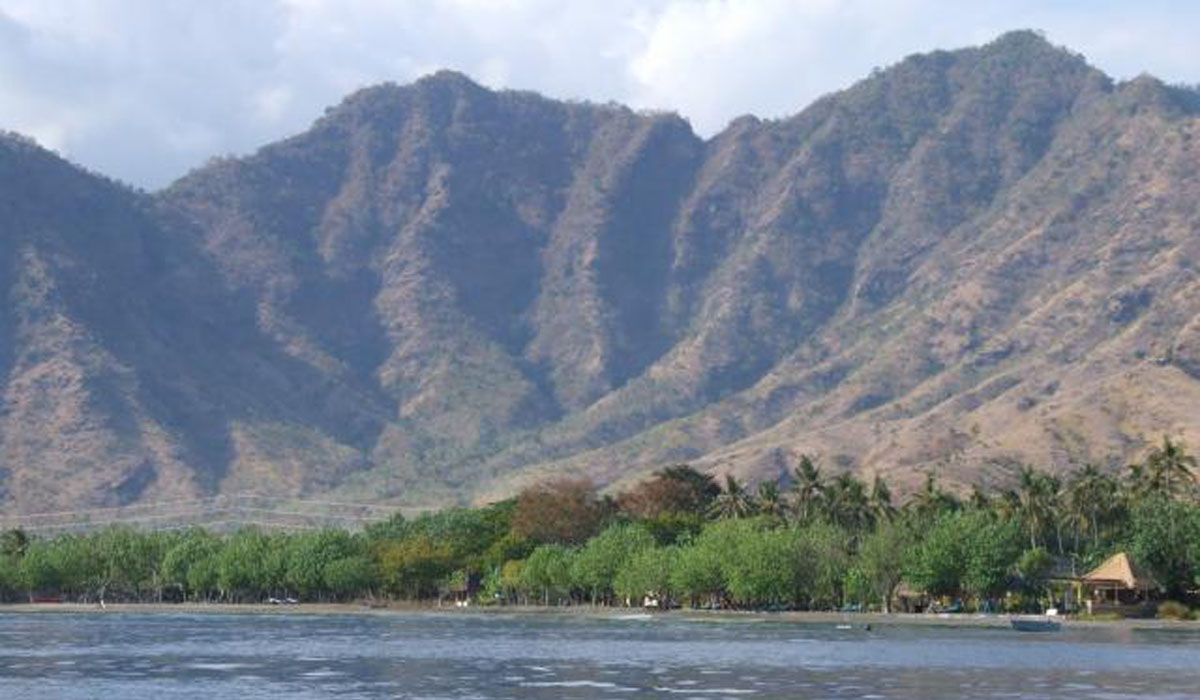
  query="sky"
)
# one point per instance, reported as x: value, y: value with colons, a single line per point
x: 145, y: 90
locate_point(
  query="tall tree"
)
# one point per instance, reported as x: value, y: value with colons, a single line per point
x: 566, y: 511
x: 770, y: 500
x: 734, y: 501
x: 1037, y: 494
x: 1091, y: 497
x: 881, y: 557
x: 880, y: 499
x: 847, y: 504
x: 677, y: 489
x: 808, y: 490
x: 1170, y: 468
x: 931, y: 500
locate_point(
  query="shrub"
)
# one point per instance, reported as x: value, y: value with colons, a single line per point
x: 1174, y: 610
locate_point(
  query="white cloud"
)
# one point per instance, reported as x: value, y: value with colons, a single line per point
x: 145, y: 89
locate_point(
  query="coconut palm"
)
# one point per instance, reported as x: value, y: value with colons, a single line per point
x: 1091, y: 497
x: 880, y: 500
x: 931, y: 500
x: 734, y: 501
x: 770, y: 500
x: 847, y: 503
x: 1007, y: 504
x: 1169, y: 468
x: 1137, y: 483
x: 808, y: 489
x: 1037, y: 501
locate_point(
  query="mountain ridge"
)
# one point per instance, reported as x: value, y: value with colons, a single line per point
x: 439, y: 292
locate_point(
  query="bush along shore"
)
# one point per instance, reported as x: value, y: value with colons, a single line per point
x: 678, y: 539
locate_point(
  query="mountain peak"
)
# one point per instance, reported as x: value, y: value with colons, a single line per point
x: 448, y: 78
x: 440, y: 287
x: 1029, y: 45
x: 1021, y: 39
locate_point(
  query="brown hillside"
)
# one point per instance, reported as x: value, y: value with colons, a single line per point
x: 969, y: 260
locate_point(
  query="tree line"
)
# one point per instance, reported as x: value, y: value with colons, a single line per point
x: 811, y: 541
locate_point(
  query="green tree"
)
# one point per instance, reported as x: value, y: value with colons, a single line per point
x: 413, y: 567
x: 808, y: 489
x: 880, y: 501
x: 674, y: 528
x: 824, y: 551
x: 309, y: 553
x: 881, y: 559
x: 187, y: 549
x: 931, y: 501
x: 990, y: 549
x: 1170, y: 469
x: 240, y: 565
x: 1037, y: 504
x: 597, y: 563
x: 648, y: 573
x: 847, y: 504
x: 767, y: 566
x: 547, y: 572
x: 697, y: 573
x: 1164, y: 536
x: 937, y: 563
x: 350, y: 576
x: 1091, y: 501
x: 13, y: 543
x: 1034, y: 567
x: 770, y: 500
x: 734, y: 501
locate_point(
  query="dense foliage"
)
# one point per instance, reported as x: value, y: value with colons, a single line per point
x: 676, y: 539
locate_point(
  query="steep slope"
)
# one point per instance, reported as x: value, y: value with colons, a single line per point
x: 1046, y: 325
x: 485, y: 261
x: 967, y: 260
x: 126, y: 366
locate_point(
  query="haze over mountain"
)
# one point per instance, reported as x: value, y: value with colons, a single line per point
x: 965, y: 261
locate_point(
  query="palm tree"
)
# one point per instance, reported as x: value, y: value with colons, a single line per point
x: 1169, y: 467
x: 846, y: 502
x: 808, y: 489
x: 1091, y: 497
x: 931, y: 500
x: 881, y: 500
x: 733, y: 501
x: 770, y: 500
x: 1037, y: 496
x: 1007, y: 504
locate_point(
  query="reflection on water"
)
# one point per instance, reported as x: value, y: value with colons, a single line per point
x: 428, y: 655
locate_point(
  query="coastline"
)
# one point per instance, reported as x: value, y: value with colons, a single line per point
x: 801, y: 617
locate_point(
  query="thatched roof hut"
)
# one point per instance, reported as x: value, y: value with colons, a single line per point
x: 1118, y: 572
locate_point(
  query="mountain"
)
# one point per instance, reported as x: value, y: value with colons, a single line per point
x: 969, y: 260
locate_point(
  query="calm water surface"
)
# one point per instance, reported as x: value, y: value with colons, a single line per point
x: 429, y: 655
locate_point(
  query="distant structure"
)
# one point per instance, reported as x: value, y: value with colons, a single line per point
x: 1118, y: 583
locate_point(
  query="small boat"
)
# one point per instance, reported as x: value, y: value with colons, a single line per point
x: 862, y: 628
x: 1035, y: 624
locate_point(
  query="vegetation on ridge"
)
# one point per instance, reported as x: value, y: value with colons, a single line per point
x: 813, y: 542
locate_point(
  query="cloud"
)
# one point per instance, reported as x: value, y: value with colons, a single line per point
x: 146, y: 89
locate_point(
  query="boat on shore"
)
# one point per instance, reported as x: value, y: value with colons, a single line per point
x: 1035, y: 624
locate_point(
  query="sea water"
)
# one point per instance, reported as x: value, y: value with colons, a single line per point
x: 163, y: 656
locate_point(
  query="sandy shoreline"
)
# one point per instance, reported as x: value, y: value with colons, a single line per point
x: 875, y: 619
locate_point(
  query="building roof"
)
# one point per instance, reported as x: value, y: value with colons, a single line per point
x: 1120, y: 569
